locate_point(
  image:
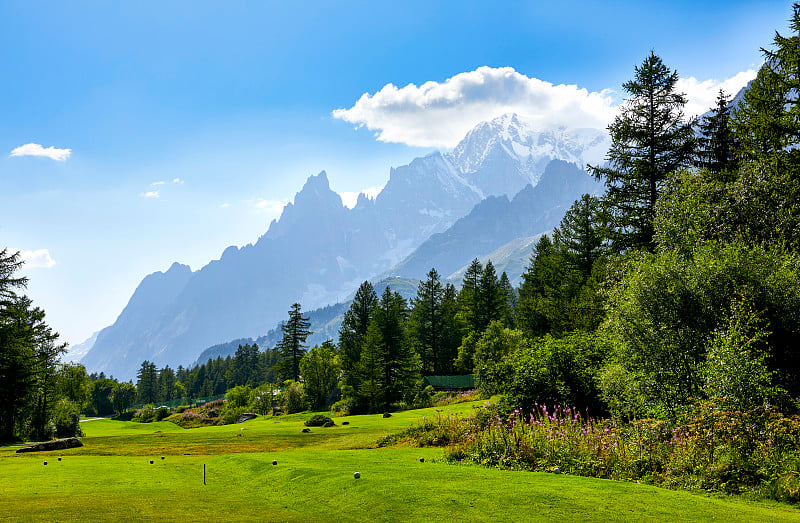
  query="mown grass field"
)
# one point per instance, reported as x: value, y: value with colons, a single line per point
x: 111, y: 478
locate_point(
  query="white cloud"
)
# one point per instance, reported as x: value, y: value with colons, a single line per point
x: 150, y: 194
x: 156, y: 184
x: 349, y: 198
x: 37, y: 259
x: 177, y: 180
x: 440, y: 114
x: 34, y: 149
x: 702, y: 95
x: 270, y: 206
x: 224, y: 205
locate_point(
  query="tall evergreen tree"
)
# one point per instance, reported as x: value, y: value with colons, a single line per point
x: 295, y: 333
x: 492, y: 298
x: 715, y: 146
x: 147, y: 382
x: 469, y: 298
x: 399, y: 366
x: 583, y: 234
x: 352, y: 332
x: 767, y: 122
x: 649, y: 141
x: 426, y: 323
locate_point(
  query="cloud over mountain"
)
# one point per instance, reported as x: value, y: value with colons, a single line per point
x: 439, y: 114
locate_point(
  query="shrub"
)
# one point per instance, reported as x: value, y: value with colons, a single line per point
x: 293, y: 399
x: 343, y: 407
x: 318, y: 420
x: 239, y: 396
x: 146, y: 414
x: 66, y: 419
x: 231, y: 414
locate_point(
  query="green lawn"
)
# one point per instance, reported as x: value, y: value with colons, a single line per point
x: 111, y: 478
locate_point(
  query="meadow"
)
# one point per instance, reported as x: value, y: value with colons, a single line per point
x: 112, y: 478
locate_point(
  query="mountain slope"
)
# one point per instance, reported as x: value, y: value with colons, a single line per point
x: 498, y: 220
x: 319, y: 251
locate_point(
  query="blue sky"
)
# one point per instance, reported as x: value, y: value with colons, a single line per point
x: 230, y: 105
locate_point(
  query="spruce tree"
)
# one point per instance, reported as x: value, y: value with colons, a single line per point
x: 649, y: 142
x: 147, y: 382
x: 352, y: 332
x: 295, y: 333
x: 583, y: 234
x: 715, y: 145
x: 426, y: 323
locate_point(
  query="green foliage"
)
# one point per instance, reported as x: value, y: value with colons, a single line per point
x: 556, y: 371
x: 230, y: 414
x: 122, y: 396
x: 295, y: 332
x: 649, y: 141
x: 716, y: 143
x: 293, y: 398
x: 736, y: 374
x: 66, y: 418
x: 318, y: 420
x: 238, y: 397
x: 100, y: 396
x: 262, y: 398
x: 320, y: 373
x: 491, y: 369
x: 666, y: 307
x: 147, y: 383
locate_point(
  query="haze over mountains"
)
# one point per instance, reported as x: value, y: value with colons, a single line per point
x: 505, y: 181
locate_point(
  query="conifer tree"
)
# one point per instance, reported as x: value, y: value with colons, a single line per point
x: 469, y: 297
x: 351, y: 334
x: 426, y: 323
x: 715, y: 145
x: 147, y: 382
x: 649, y: 142
x: 583, y: 234
x: 295, y: 333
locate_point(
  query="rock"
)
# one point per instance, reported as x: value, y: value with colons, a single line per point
x: 306, y: 430
x: 422, y: 460
x: 56, y: 444
x: 245, y: 417
x: 328, y: 424
x: 345, y: 423
x: 274, y: 462
x: 213, y: 413
x: 356, y: 475
x: 387, y: 415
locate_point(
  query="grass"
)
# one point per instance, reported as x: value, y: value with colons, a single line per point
x: 111, y: 478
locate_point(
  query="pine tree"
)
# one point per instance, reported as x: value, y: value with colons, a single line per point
x: 492, y: 300
x: 399, y: 366
x: 295, y: 333
x: 351, y: 334
x: 715, y: 146
x: 469, y: 297
x: 426, y: 322
x: 649, y: 141
x: 583, y: 234
x: 511, y: 301
x: 147, y: 382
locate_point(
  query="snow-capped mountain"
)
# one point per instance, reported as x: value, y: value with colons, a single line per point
x: 319, y: 251
x: 504, y: 155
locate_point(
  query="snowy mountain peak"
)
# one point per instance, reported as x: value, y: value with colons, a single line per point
x: 514, y: 147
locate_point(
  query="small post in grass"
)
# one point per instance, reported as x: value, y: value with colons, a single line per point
x: 204, y: 473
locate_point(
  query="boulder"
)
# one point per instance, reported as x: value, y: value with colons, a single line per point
x: 387, y: 415
x: 56, y: 444
x: 328, y: 424
x: 306, y: 430
x: 245, y: 417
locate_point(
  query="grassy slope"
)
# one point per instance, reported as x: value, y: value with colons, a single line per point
x: 112, y: 478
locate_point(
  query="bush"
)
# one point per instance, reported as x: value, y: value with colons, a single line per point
x: 66, y: 419
x: 293, y: 399
x: 231, y: 414
x: 239, y: 396
x: 262, y: 398
x: 318, y: 420
x: 146, y: 414
x: 161, y: 413
x: 125, y: 416
x: 343, y: 407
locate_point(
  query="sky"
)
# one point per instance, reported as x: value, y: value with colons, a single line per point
x: 137, y: 134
